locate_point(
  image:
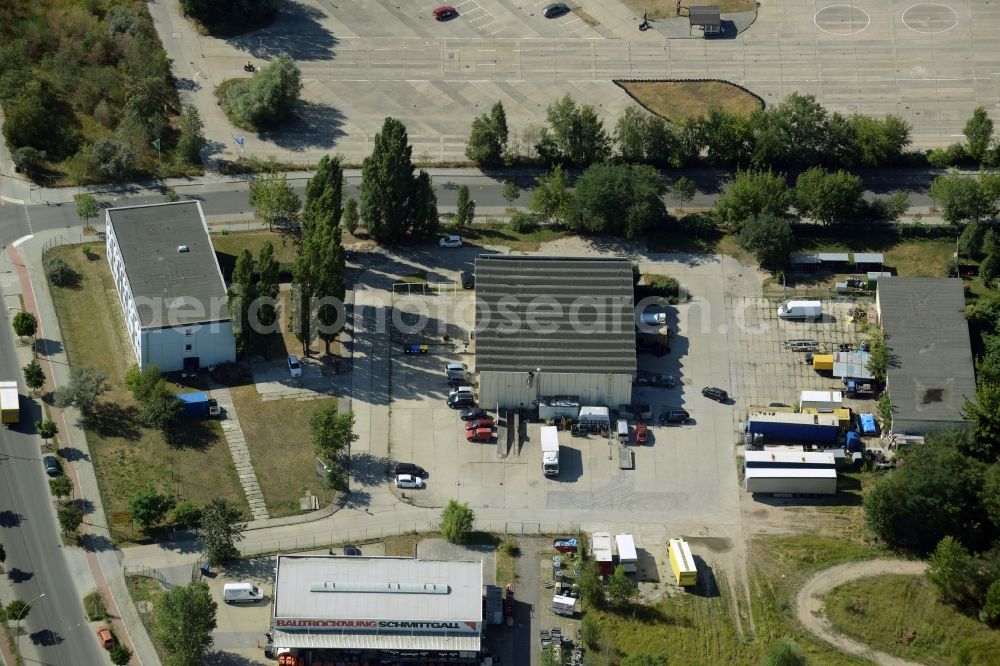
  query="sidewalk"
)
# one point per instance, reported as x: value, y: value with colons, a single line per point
x: 101, y: 559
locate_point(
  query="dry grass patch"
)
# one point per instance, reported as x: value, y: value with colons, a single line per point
x: 232, y: 244
x: 677, y: 100
x: 660, y: 9
x: 127, y: 456
x: 277, y: 434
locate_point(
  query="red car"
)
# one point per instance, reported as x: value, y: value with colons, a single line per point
x: 641, y: 433
x: 445, y: 12
x: 479, y: 435
x: 105, y: 637
x: 486, y: 422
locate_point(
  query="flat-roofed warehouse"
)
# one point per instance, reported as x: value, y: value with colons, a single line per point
x: 342, y: 609
x: 928, y: 340
x: 548, y: 326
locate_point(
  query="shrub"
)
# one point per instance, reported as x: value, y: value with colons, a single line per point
x: 946, y: 157
x: 94, y: 607
x: 60, y: 274
x: 511, y: 549
x: 783, y: 653
x: 589, y: 632
x: 187, y: 514
x: 268, y: 97
x: 456, y: 521
x: 522, y: 223
x: 989, y: 270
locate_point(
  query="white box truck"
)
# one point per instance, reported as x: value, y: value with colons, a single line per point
x: 801, y: 310
x: 627, y: 556
x: 550, y: 450
x: 9, y: 403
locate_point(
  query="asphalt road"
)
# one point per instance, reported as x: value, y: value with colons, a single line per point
x: 55, y: 629
x: 220, y: 200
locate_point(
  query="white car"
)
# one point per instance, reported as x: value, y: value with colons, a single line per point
x: 294, y: 367
x: 460, y: 389
x: 450, y: 241
x: 456, y: 369
x: 409, y: 481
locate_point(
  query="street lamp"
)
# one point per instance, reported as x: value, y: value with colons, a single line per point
x: 17, y: 643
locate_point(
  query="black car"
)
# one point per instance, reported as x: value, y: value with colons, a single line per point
x: 352, y: 550
x: 715, y: 393
x: 411, y: 469
x: 461, y: 400
x: 555, y: 10
x: 472, y: 414
x: 52, y: 466
x: 675, y: 416
x: 468, y: 280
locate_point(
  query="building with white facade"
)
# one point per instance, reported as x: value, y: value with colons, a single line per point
x: 554, y: 326
x: 171, y: 289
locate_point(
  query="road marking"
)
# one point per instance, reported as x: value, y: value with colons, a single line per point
x: 24, y: 238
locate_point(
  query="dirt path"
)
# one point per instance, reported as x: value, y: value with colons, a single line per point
x: 809, y: 604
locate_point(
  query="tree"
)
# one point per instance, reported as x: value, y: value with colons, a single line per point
x: 970, y: 241
x: 984, y: 413
x: 727, y: 138
x: 113, y: 158
x: 120, y: 654
x: 61, y: 486
x: 241, y: 295
x: 643, y: 137
x: 989, y: 269
x: 187, y: 514
x: 830, y: 198
x: 332, y: 432
x: 267, y: 98
x: 751, y: 193
x: 991, y: 496
x: 387, y: 184
x: 34, y: 376
x: 84, y: 387
x: 456, y: 521
x: 266, y: 289
x: 87, y: 208
x: 144, y: 383
x: 796, y: 132
x: 644, y: 659
x: 590, y: 632
x: 185, y: 619
x: 684, y: 190
x: 221, y: 529
x: 990, y: 613
x: 932, y: 494
x: 959, y: 197
x: 878, y: 141
x: 25, y: 324
x: 46, y: 429
x: 487, y: 143
x: 192, y: 139
x: 423, y: 218
x: 551, y: 197
x: 878, y: 357
x: 783, y: 653
x: 28, y: 159
x: 18, y: 609
x: 465, y: 208
x: 149, y: 507
x: 59, y: 272
x: 620, y: 589
x: 510, y: 192
x: 351, y: 217
x: 617, y: 199
x: 274, y: 200
x: 575, y: 135
x: 589, y: 583
x: 978, y: 134
x: 231, y: 14
x: 769, y: 239
x: 950, y: 570
x: 70, y: 516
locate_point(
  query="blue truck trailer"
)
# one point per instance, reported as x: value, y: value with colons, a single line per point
x: 822, y: 428
x: 197, y: 405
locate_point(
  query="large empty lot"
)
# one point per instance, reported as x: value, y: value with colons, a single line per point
x: 931, y: 63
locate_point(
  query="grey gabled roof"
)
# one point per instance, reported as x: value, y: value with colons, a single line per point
x: 869, y: 258
x: 704, y: 15
x: 928, y: 339
x: 170, y: 287
x: 834, y: 257
x: 563, y: 314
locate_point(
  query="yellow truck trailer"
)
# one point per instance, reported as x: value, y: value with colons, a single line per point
x: 10, y: 409
x: 823, y: 362
x: 682, y: 562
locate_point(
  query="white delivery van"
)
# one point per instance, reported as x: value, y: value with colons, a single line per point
x: 622, y: 429
x: 241, y: 593
x: 801, y: 310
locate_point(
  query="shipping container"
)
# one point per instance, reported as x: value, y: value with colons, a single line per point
x: 790, y: 481
x: 799, y: 427
x: 628, y: 558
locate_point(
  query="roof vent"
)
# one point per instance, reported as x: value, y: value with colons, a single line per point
x: 183, y: 248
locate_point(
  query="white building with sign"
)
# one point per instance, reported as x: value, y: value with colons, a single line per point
x: 375, y: 608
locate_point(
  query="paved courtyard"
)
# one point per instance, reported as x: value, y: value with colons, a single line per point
x: 931, y: 63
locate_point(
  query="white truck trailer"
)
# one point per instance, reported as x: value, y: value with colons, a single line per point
x: 790, y: 481
x: 628, y: 558
x: 10, y: 410
x: 550, y: 451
